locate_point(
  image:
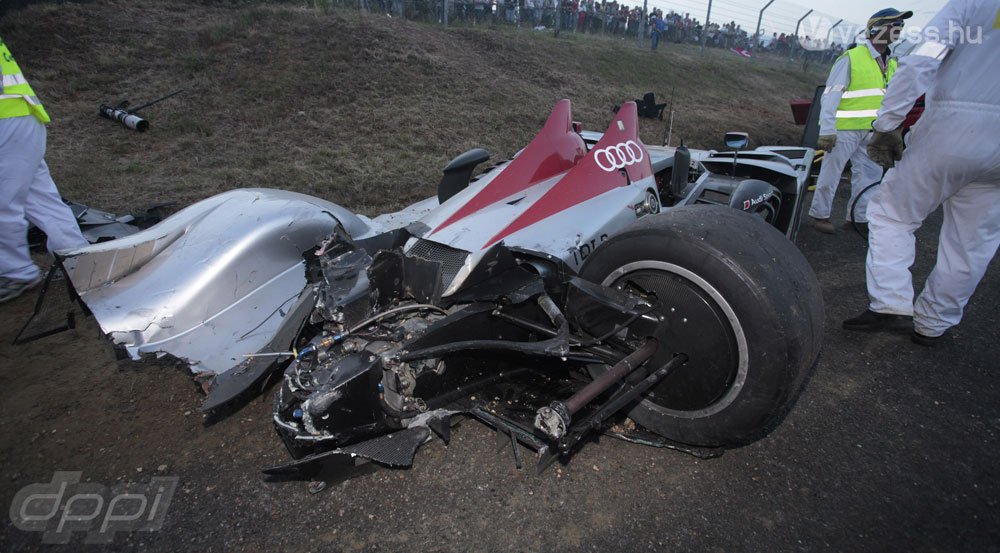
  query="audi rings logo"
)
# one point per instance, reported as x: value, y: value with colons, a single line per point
x: 619, y: 156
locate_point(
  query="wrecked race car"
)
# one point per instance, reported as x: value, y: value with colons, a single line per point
x: 586, y: 278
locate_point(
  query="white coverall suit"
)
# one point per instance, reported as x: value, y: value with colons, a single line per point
x: 27, y: 193
x: 851, y: 145
x: 952, y: 158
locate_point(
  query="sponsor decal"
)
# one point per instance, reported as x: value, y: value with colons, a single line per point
x: 619, y: 156
x: 747, y: 204
x: 583, y: 251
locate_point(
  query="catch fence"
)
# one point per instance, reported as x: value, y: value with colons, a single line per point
x: 775, y: 29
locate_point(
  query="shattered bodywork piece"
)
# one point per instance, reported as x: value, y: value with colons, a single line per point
x: 211, y: 284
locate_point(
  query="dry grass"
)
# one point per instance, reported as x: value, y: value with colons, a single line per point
x: 359, y: 109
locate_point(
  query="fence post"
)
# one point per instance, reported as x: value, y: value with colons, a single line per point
x: 796, y: 35
x: 704, y: 28
x: 445, y: 16
x: 828, y: 33
x: 755, y: 39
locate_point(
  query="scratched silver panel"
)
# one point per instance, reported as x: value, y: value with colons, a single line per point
x: 212, y: 282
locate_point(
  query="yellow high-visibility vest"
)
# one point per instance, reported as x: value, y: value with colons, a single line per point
x: 860, y: 102
x: 17, y: 98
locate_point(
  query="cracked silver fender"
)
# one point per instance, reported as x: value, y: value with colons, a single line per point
x: 214, y: 282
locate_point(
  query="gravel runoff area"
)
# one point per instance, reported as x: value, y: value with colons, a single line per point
x: 892, y: 447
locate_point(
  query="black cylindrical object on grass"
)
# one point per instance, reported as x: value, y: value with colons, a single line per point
x: 129, y: 120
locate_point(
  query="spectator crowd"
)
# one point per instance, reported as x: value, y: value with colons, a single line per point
x: 606, y: 18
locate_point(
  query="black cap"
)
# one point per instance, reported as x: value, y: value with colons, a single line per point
x: 886, y: 16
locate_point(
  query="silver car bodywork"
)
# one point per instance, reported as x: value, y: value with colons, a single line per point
x: 210, y: 284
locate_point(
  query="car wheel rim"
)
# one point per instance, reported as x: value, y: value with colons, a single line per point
x: 701, y: 324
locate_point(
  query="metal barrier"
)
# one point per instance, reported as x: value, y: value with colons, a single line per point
x: 611, y: 19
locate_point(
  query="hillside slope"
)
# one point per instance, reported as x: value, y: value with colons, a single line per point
x: 360, y: 109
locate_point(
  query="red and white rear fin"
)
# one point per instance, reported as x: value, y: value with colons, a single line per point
x: 620, y: 147
x: 554, y: 150
x: 617, y: 154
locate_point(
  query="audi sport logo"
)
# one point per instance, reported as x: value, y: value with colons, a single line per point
x: 619, y: 156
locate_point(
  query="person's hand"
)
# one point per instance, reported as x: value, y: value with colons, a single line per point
x: 826, y: 142
x: 886, y: 148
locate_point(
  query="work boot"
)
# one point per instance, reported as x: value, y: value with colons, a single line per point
x: 870, y: 321
x: 824, y: 225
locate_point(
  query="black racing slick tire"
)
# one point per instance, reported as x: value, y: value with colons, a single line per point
x: 738, y: 299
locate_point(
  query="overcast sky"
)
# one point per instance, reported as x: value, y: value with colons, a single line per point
x: 860, y: 10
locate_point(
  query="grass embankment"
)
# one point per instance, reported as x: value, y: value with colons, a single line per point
x: 360, y: 109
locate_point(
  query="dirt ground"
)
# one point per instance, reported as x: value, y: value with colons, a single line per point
x: 892, y: 447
